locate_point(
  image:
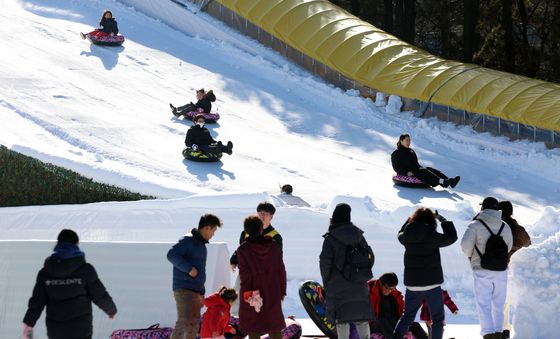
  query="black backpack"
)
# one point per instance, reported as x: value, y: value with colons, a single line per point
x: 358, y: 261
x: 496, y: 254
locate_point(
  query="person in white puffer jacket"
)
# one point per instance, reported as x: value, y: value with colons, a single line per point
x: 490, y: 286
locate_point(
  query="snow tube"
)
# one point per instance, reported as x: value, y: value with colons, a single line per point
x: 115, y: 40
x: 208, y: 117
x: 291, y: 331
x: 406, y: 181
x: 313, y: 298
x: 198, y: 155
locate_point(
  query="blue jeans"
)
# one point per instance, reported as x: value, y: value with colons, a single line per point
x: 412, y: 302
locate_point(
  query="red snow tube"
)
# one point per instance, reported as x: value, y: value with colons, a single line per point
x: 108, y: 40
x: 208, y: 117
x: 406, y: 181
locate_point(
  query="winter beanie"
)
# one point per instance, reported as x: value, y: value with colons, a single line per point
x: 490, y: 203
x: 506, y: 207
x: 341, y: 213
x: 69, y: 236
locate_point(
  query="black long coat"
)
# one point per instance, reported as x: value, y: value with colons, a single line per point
x: 199, y: 136
x: 422, y: 261
x: 347, y: 301
x: 404, y: 160
x: 67, y: 286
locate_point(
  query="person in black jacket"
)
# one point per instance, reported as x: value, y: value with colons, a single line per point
x: 198, y: 137
x: 346, y: 288
x: 423, y: 274
x: 107, y: 27
x: 67, y: 285
x: 203, y: 105
x: 405, y: 163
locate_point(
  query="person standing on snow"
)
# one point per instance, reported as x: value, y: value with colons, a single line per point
x: 188, y: 257
x: 489, y: 269
x: 423, y: 274
x: 198, y: 138
x: 348, y: 295
x: 405, y: 163
x: 203, y: 105
x: 67, y: 285
x: 107, y: 26
x: 263, y: 283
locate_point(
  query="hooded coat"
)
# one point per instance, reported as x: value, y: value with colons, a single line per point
x: 261, y: 268
x: 404, y: 160
x: 477, y: 234
x: 189, y: 252
x: 206, y: 102
x: 422, y: 261
x: 67, y: 285
x: 216, y: 317
x: 199, y: 136
x: 347, y: 301
x: 109, y: 26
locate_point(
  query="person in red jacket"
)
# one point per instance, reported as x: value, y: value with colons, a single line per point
x: 215, y: 321
x: 388, y: 306
x: 425, y: 315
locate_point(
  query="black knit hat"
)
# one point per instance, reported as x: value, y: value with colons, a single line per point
x: 67, y: 235
x: 489, y: 203
x: 341, y: 213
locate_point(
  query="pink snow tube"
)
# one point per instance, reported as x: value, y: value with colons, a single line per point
x: 406, y: 181
x: 105, y: 40
x: 208, y: 117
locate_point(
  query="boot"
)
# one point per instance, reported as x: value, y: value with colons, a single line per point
x: 454, y: 181
x: 505, y: 334
x: 229, y: 147
x: 82, y: 35
x: 445, y: 183
x: 174, y: 110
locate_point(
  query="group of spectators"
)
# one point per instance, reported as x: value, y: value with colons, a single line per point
x: 67, y: 284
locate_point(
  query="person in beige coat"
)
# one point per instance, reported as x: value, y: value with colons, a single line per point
x: 490, y: 285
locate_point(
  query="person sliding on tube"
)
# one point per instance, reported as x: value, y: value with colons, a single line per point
x: 107, y: 27
x: 405, y: 163
x: 199, y: 138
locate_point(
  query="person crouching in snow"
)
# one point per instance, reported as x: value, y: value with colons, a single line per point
x: 203, y: 105
x: 107, y: 27
x: 199, y: 138
x: 405, y: 163
x: 215, y: 321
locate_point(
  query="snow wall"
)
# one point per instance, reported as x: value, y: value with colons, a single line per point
x: 137, y: 276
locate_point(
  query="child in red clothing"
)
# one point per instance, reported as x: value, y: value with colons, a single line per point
x: 215, y: 321
x: 425, y: 310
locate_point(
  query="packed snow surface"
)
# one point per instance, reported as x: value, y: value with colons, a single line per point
x: 104, y: 113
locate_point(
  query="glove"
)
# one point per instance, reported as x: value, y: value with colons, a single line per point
x: 27, y: 331
x: 440, y: 217
x: 112, y: 34
x: 194, y: 147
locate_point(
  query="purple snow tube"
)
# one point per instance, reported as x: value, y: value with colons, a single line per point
x: 208, y: 117
x: 115, y: 40
x: 406, y: 181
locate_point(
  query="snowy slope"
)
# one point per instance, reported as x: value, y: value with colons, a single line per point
x: 104, y: 113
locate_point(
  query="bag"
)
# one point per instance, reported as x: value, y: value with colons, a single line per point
x: 358, y: 261
x: 152, y: 332
x: 495, y: 257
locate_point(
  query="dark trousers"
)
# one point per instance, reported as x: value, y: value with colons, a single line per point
x: 190, y: 107
x: 386, y: 326
x: 412, y: 303
x: 429, y: 175
x: 213, y: 148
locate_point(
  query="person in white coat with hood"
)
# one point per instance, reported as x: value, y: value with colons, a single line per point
x: 490, y: 279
